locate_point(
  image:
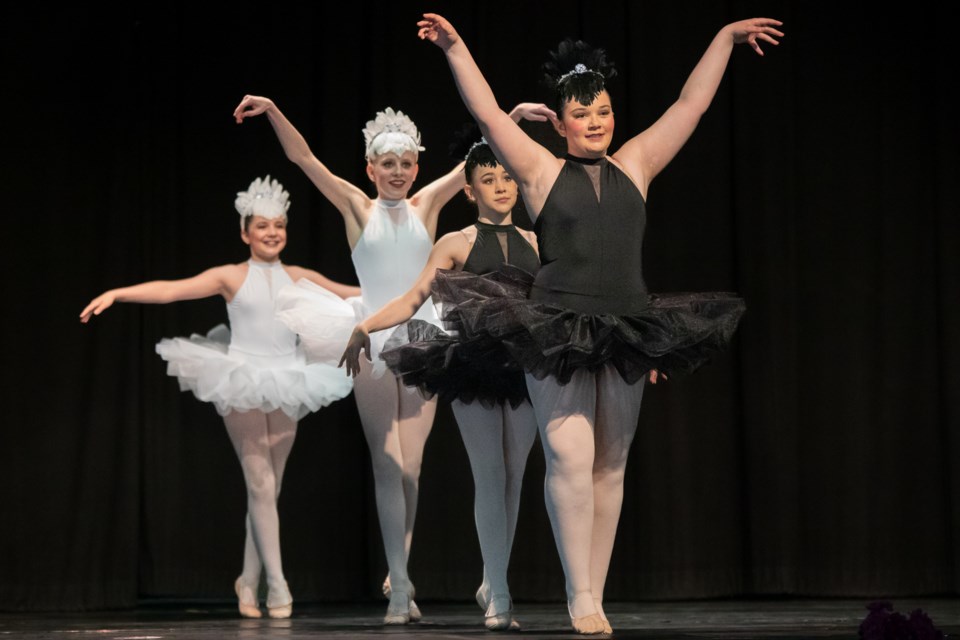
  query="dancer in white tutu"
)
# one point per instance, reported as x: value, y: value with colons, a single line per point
x: 254, y: 373
x: 487, y: 395
x: 390, y: 237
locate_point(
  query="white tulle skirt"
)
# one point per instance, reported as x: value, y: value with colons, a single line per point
x: 236, y: 381
x: 319, y: 317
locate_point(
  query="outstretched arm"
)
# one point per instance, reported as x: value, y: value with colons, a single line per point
x: 337, y: 288
x: 435, y: 195
x: 211, y: 282
x: 531, y: 165
x: 645, y: 155
x: 349, y: 200
x: 449, y: 250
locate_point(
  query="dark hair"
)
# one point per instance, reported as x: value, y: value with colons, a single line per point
x: 577, y: 71
x: 469, y: 145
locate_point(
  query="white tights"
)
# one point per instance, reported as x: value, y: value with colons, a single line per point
x: 498, y: 443
x: 396, y: 422
x: 263, y: 442
x: 586, y: 427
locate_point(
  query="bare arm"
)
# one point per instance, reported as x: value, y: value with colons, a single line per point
x: 532, y: 165
x: 449, y: 251
x: 350, y: 201
x: 218, y: 280
x: 337, y: 288
x: 646, y: 154
x: 431, y: 199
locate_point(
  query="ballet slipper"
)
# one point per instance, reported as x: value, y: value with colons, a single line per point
x: 500, y: 618
x: 398, y: 611
x: 247, y: 599
x: 280, y: 605
x: 590, y: 624
x: 415, y: 614
x: 603, y: 616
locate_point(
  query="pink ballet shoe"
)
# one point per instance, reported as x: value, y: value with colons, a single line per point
x: 398, y: 611
x: 590, y: 624
x: 280, y: 604
x: 247, y: 600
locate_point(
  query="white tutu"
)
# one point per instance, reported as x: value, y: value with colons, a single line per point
x: 324, y: 322
x: 236, y: 381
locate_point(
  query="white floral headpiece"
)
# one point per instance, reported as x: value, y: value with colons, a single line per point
x: 265, y: 198
x: 391, y: 132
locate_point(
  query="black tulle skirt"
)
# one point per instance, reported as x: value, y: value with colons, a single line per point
x: 440, y: 364
x: 495, y: 334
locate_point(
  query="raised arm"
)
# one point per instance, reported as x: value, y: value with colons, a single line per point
x: 532, y: 165
x: 349, y: 200
x: 447, y: 253
x: 337, y: 288
x: 218, y: 280
x: 646, y: 154
x: 432, y: 198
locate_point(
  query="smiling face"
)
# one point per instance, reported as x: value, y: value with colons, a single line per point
x: 393, y: 175
x: 266, y: 236
x: 494, y: 191
x: 588, y: 128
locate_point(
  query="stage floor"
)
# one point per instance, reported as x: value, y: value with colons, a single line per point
x: 727, y: 620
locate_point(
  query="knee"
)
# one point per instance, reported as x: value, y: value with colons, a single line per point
x: 262, y: 487
x: 609, y: 474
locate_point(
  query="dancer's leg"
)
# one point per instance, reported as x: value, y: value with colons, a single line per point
x: 393, y: 427
x: 618, y: 411
x: 249, y: 433
x: 482, y: 433
x: 565, y: 416
x: 519, y: 432
x: 281, y: 433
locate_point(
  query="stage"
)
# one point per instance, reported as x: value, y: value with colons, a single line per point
x: 728, y: 619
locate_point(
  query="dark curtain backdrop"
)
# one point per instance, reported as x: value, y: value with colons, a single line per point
x: 817, y: 457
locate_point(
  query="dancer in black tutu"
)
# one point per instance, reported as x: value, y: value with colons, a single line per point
x: 588, y: 333
x: 483, y: 383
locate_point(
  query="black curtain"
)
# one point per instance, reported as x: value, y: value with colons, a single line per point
x: 815, y: 457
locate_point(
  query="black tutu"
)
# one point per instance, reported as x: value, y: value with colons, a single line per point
x: 439, y: 364
x: 676, y: 334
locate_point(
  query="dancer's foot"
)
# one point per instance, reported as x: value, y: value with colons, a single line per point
x: 584, y: 616
x: 483, y: 596
x: 499, y: 615
x: 247, y: 599
x: 603, y: 615
x: 279, y: 602
x: 415, y: 614
x: 398, y: 611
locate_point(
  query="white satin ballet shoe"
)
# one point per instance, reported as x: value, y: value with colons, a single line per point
x: 398, y: 611
x: 500, y: 618
x: 415, y: 614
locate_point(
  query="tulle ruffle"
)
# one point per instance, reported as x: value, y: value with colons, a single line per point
x: 677, y: 333
x: 439, y: 364
x: 237, y: 381
x: 324, y: 323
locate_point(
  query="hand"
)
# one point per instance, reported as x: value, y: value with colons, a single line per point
x: 535, y: 111
x: 251, y: 106
x: 359, y: 340
x: 437, y: 30
x: 99, y: 304
x: 750, y: 31
x: 654, y: 375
